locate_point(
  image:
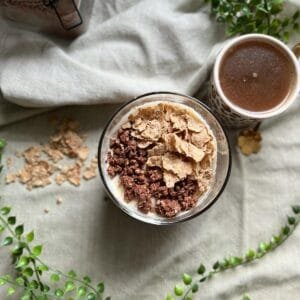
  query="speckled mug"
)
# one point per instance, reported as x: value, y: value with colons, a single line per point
x: 230, y: 114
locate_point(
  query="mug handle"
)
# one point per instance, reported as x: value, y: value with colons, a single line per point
x: 296, y: 50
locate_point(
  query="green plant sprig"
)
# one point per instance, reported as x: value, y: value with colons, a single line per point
x: 255, y: 16
x: 190, y: 286
x: 30, y: 269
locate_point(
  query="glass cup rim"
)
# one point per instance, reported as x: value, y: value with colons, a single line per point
x: 251, y: 114
x: 150, y: 220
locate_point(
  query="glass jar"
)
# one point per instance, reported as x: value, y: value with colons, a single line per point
x: 68, y: 18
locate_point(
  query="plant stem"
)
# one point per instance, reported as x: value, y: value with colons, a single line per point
x: 244, y: 262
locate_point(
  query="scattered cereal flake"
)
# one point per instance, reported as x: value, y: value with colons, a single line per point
x: 154, y: 161
x: 18, y: 154
x: 91, y: 171
x: 60, y: 178
x: 9, y: 162
x: 249, y: 141
x: 175, y: 164
x: 10, y: 178
x: 32, y: 154
x: 46, y: 210
x: 59, y: 200
x: 54, y: 154
x: 72, y: 174
x: 83, y: 153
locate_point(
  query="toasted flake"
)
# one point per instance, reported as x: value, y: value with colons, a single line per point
x: 154, y: 161
x: 73, y: 174
x: 83, y: 153
x: 178, y: 122
x: 126, y: 125
x: 200, y: 139
x: 158, y: 149
x: 32, y: 154
x: 139, y: 125
x: 174, y: 143
x: 60, y: 178
x: 144, y: 144
x: 152, y: 131
x: 194, y: 125
x: 9, y: 162
x: 249, y: 141
x: 10, y: 178
x: 170, y: 179
x: 175, y: 164
x: 54, y: 154
x: 59, y: 200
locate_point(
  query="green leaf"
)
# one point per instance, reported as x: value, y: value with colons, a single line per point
x: 7, y: 241
x: 20, y: 281
x: 263, y: 247
x: 59, y: 293
x: 28, y: 272
x: 34, y: 284
x: 37, y: 250
x: 250, y: 254
x: 178, y: 290
x: 187, y: 279
x: 195, y: 288
x: 2, y: 228
x: 23, y: 262
x: 19, y: 230
x: 201, y: 269
x: 55, y: 277
x: 11, y: 220
x: 296, y: 209
x: 81, y: 291
x: 246, y: 297
x: 87, y: 279
x: 91, y: 296
x: 72, y: 274
x: 30, y: 237
x: 10, y: 291
x: 100, y: 288
x: 216, y: 265
x: 69, y: 286
x: 169, y: 297
x: 5, y: 210
x: 2, y: 281
x: 2, y: 143
x: 42, y: 268
x: 286, y: 230
x: 291, y: 220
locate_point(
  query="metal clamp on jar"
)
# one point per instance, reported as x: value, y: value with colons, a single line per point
x: 68, y: 18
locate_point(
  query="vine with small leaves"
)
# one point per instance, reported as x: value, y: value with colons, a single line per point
x: 191, y: 286
x: 256, y: 16
x: 30, y: 270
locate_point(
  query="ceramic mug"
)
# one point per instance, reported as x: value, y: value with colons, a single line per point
x: 230, y: 114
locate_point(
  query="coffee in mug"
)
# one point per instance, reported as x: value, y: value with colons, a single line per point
x: 255, y: 77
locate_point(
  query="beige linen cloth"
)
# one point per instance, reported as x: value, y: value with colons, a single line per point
x: 134, y: 47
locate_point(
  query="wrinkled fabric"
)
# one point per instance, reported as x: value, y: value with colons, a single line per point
x: 134, y: 47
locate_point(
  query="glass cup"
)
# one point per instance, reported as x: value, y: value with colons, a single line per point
x: 234, y: 116
x: 223, y: 157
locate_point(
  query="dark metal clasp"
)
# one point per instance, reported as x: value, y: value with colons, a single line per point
x: 68, y: 22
